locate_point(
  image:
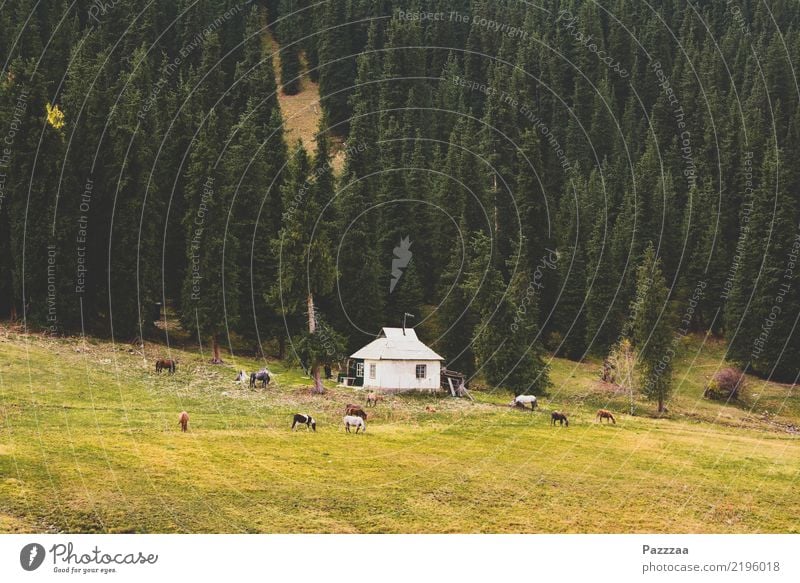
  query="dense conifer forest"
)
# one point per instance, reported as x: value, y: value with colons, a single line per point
x: 563, y: 174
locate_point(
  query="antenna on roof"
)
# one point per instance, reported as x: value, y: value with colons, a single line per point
x: 404, y: 321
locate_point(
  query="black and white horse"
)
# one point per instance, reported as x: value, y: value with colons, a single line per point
x: 262, y: 376
x: 306, y: 420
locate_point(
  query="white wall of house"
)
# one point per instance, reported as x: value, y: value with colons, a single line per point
x: 401, y: 374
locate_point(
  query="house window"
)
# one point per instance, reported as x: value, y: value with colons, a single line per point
x: 360, y: 369
x: 422, y: 371
x: 372, y: 371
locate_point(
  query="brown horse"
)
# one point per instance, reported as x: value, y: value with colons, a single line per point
x: 604, y: 414
x: 560, y: 417
x: 183, y: 421
x: 165, y: 363
x: 356, y: 410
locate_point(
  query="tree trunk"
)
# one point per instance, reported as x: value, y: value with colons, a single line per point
x: 319, y: 388
x: 312, y: 322
x: 312, y: 328
x: 215, y: 350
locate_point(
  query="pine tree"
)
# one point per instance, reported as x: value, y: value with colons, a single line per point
x: 131, y: 264
x: 360, y: 287
x: 570, y: 311
x: 336, y: 66
x: 651, y: 330
x: 507, y: 346
x: 764, y: 300
x: 289, y: 29
x: 304, y: 245
x: 208, y: 305
x: 603, y: 273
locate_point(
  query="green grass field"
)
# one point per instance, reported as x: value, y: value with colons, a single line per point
x: 93, y: 445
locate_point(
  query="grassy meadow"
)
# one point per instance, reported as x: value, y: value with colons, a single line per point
x: 89, y: 442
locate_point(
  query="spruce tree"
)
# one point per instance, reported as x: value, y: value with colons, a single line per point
x: 209, y: 305
x: 289, y: 30
x: 336, y: 66
x: 570, y: 310
x: 305, y: 247
x: 651, y: 330
x: 507, y: 346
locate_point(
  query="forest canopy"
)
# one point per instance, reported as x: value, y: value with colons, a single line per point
x: 512, y: 175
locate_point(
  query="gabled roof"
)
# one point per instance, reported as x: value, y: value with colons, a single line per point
x: 396, y: 344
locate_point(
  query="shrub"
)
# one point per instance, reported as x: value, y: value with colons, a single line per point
x: 726, y: 385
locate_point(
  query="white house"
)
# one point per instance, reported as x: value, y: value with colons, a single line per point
x: 396, y: 361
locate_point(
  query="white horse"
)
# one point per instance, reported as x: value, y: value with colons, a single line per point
x: 522, y: 400
x: 241, y: 378
x: 353, y: 421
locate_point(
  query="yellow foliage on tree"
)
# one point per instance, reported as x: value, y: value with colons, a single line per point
x: 55, y: 117
x: 622, y: 362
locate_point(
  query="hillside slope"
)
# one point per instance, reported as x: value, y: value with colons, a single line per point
x: 89, y: 442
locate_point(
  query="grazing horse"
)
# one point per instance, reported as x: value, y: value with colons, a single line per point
x: 373, y: 398
x: 165, y: 363
x: 183, y: 421
x: 306, y: 420
x: 522, y: 400
x: 355, y: 410
x: 262, y: 376
x: 353, y: 421
x: 241, y: 378
x: 604, y: 414
x: 560, y: 417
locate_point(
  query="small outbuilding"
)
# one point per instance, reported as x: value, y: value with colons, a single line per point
x: 395, y: 361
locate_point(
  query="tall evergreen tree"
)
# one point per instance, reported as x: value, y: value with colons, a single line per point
x: 289, y: 34
x: 209, y: 303
x: 304, y: 245
x: 651, y: 330
x: 336, y: 66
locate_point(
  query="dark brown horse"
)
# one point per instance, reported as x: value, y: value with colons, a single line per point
x: 604, y: 414
x: 356, y: 410
x: 183, y: 420
x: 560, y: 417
x: 165, y: 364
